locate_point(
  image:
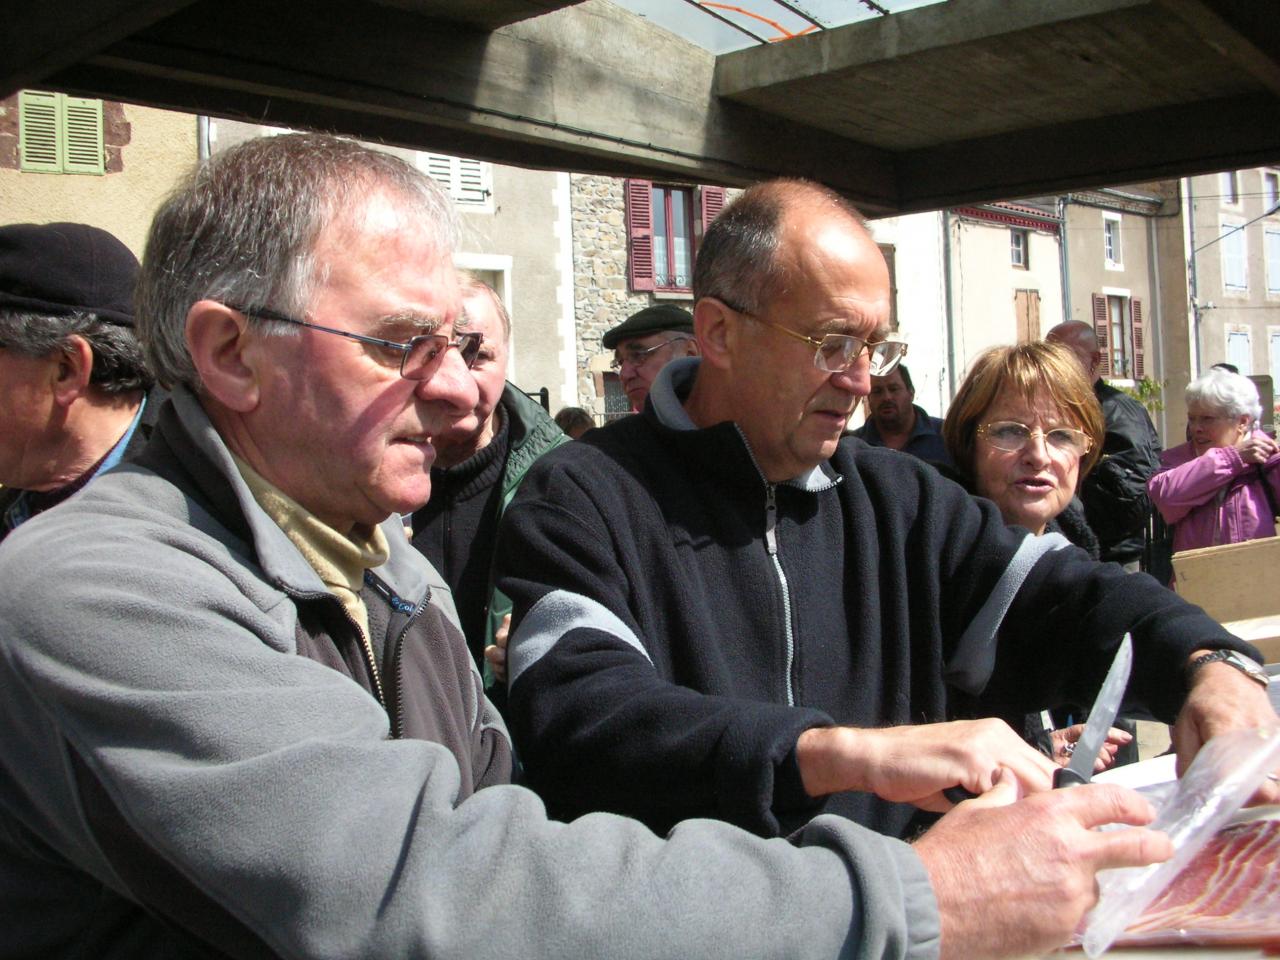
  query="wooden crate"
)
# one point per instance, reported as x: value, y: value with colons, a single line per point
x: 1236, y: 582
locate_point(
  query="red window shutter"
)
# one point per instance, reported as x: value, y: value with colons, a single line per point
x: 711, y: 200
x: 1139, y: 341
x: 1102, y: 329
x: 638, y: 196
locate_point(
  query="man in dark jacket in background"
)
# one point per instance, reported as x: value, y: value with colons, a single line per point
x: 73, y: 382
x: 480, y: 460
x: 894, y: 420
x: 1115, y: 492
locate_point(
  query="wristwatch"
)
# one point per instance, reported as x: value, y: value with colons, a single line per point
x: 1243, y: 664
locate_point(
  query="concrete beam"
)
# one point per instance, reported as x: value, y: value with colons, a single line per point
x: 1151, y: 145
x: 843, y: 50
x: 37, y: 41
x: 587, y: 87
x: 1247, y: 33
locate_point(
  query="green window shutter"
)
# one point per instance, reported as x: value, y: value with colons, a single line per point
x: 84, y: 152
x: 40, y: 142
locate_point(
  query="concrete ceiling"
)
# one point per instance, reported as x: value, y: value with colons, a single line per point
x: 964, y: 101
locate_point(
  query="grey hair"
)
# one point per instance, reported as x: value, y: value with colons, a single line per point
x: 1226, y: 393
x: 243, y: 228
x: 472, y: 285
x: 738, y: 260
x: 118, y: 364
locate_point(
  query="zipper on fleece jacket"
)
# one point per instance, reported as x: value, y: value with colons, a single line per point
x: 771, y: 545
x: 394, y: 658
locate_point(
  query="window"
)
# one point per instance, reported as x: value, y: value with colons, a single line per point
x: 1235, y: 273
x: 1270, y: 191
x: 1271, y: 237
x: 1019, y: 246
x: 1239, y: 349
x: 664, y: 225
x: 672, y: 237
x: 1230, y: 188
x: 1273, y: 336
x: 469, y: 183
x: 1111, y: 251
x: 59, y: 134
x: 1118, y: 324
x: 616, y: 403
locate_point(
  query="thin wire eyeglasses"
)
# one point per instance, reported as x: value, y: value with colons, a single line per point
x: 636, y: 357
x: 1013, y: 437
x: 1207, y: 420
x: 419, y: 357
x: 837, y: 352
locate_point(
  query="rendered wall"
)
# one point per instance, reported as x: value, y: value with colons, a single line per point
x: 157, y: 148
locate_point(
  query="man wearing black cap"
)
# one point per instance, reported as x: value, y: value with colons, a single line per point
x: 73, y: 381
x: 646, y: 342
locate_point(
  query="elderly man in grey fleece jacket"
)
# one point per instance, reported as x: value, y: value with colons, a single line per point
x: 240, y: 719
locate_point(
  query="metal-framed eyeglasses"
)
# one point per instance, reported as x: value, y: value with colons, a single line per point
x: 837, y: 352
x: 637, y: 356
x: 1013, y: 437
x: 420, y: 356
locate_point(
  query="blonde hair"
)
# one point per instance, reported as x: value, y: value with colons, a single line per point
x: 1027, y: 370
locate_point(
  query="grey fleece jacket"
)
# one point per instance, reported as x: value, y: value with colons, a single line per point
x: 158, y: 726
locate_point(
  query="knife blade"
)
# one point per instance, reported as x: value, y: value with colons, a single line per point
x: 1103, y: 714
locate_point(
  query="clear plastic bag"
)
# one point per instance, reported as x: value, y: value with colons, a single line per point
x: 1224, y: 774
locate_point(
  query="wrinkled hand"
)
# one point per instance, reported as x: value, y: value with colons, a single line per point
x: 914, y: 764
x: 1222, y: 699
x: 1116, y: 738
x: 1014, y: 879
x: 1256, y: 448
x: 496, y: 652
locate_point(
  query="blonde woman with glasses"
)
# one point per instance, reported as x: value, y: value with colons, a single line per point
x: 1024, y: 430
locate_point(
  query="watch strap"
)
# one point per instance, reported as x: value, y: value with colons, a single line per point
x: 1231, y: 658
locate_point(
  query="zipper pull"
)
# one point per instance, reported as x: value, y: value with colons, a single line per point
x: 770, y: 518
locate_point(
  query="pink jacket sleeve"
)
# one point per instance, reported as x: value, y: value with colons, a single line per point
x: 1185, y: 484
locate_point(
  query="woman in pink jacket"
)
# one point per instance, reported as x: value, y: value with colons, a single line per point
x: 1222, y: 485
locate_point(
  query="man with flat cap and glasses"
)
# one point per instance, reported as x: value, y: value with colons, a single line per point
x: 73, y: 383
x: 725, y: 608
x: 646, y: 342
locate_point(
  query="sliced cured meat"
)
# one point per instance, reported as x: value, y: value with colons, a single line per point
x: 1228, y: 895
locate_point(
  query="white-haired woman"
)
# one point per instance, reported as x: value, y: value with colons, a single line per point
x: 1223, y: 484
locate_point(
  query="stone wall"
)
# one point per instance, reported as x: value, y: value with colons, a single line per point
x: 601, y: 297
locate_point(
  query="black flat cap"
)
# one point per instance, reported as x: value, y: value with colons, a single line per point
x: 661, y: 316
x: 62, y: 268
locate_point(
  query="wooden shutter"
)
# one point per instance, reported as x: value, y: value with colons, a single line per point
x: 1139, y: 340
x: 471, y: 186
x: 440, y: 169
x: 1026, y: 308
x: 40, y: 143
x: 638, y: 196
x: 711, y: 202
x: 1102, y: 329
x: 84, y: 153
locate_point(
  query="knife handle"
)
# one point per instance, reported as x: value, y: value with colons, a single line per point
x: 1065, y: 777
x: 958, y: 794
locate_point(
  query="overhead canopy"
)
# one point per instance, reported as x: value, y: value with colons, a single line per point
x: 959, y: 102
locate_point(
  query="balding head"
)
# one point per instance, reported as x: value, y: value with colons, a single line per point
x: 785, y: 266
x: 1080, y: 339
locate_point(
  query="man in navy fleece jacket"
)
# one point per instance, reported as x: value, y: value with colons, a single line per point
x: 724, y: 609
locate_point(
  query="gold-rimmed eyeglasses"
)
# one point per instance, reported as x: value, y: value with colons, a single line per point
x: 1013, y: 437
x: 420, y: 356
x: 837, y: 352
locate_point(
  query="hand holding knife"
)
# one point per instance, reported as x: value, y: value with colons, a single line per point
x: 1105, y: 707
